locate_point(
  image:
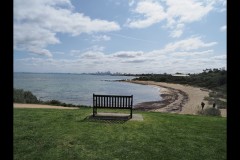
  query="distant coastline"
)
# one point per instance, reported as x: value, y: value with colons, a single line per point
x: 95, y: 73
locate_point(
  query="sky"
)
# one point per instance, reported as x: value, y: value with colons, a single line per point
x: 126, y: 36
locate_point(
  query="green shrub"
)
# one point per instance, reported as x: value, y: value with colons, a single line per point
x: 210, y: 112
x: 21, y: 96
x: 54, y: 102
x: 214, y: 79
x: 18, y: 95
x: 220, y: 104
x: 29, y: 97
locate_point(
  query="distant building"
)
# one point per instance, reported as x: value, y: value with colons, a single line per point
x: 180, y: 75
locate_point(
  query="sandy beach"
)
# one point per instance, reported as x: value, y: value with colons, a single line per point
x: 182, y: 99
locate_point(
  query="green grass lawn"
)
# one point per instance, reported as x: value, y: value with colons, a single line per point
x: 51, y: 134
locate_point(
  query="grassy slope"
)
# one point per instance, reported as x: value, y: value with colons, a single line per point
x: 66, y: 134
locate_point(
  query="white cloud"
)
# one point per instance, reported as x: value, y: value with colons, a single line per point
x: 178, y: 31
x: 75, y: 53
x: 34, y: 41
x: 59, y: 19
x: 183, y: 12
x: 128, y: 54
x: 187, y: 10
x: 174, y: 57
x: 37, y: 22
x: 219, y: 5
x: 87, y: 51
x: 100, y: 38
x: 96, y: 48
x: 92, y: 55
x: 223, y: 28
x: 196, y: 54
x: 40, y: 51
x: 152, y: 11
x: 176, y: 13
x: 188, y: 44
x: 136, y: 61
x: 220, y: 57
x: 131, y: 2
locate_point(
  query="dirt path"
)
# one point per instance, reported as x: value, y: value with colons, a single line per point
x: 18, y: 105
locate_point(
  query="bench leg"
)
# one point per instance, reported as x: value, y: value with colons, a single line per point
x: 131, y: 113
x: 94, y: 111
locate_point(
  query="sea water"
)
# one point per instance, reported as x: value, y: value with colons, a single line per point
x: 78, y: 88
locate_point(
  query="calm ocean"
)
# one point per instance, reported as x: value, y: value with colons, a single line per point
x: 78, y: 89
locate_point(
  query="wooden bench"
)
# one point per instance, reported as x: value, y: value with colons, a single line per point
x: 112, y: 101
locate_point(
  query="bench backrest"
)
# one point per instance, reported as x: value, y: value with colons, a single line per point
x: 112, y: 101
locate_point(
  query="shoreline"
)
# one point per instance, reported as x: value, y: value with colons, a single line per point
x: 177, y: 98
x: 173, y: 99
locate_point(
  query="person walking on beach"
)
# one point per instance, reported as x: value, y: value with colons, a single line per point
x: 214, y: 104
x: 202, y: 104
x: 180, y: 108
